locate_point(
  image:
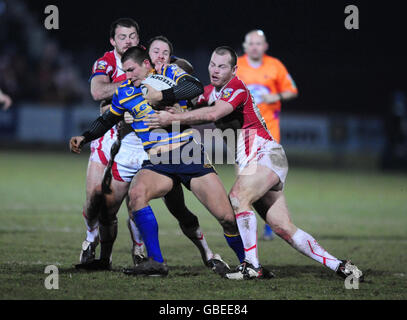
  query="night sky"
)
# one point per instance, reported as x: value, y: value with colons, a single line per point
x: 335, y: 69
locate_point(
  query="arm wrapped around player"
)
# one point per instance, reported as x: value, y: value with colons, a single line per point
x: 100, y: 126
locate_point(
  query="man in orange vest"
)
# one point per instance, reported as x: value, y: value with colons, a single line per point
x: 269, y: 83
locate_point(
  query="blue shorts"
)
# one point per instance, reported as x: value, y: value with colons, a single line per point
x: 181, y: 164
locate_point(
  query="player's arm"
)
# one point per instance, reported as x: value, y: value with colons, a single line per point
x: 187, y: 88
x: 101, y: 88
x: 96, y: 130
x: 281, y: 96
x: 202, y: 115
x: 286, y: 87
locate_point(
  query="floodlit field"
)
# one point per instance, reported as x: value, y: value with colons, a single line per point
x: 361, y: 216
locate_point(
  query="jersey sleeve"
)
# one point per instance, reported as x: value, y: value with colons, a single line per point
x: 102, y: 66
x: 236, y: 94
x: 173, y: 72
x: 284, y: 80
x: 116, y: 107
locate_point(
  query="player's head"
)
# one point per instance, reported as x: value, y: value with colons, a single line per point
x: 137, y: 65
x: 160, y: 49
x: 255, y: 44
x: 222, y: 67
x: 124, y: 33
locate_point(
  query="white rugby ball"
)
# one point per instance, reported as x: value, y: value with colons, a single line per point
x: 158, y: 82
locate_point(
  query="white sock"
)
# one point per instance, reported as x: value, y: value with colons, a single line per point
x: 308, y: 246
x: 92, y: 228
x: 197, y: 237
x: 247, y: 224
x: 135, y: 233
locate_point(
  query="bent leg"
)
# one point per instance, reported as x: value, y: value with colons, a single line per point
x: 188, y: 222
x: 108, y: 217
x: 251, y: 184
x: 211, y: 193
x: 279, y: 218
x: 145, y: 186
x: 94, y: 197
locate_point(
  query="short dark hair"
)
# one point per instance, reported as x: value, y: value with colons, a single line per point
x: 137, y: 54
x: 163, y: 39
x: 222, y: 50
x: 123, y: 22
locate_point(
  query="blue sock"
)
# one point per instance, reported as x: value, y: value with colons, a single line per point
x: 148, y: 226
x: 236, y: 243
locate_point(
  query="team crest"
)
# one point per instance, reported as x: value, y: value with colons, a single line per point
x: 227, y: 93
x: 129, y: 91
x: 101, y: 65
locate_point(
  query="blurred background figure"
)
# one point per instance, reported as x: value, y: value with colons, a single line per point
x: 269, y: 82
x: 5, y: 101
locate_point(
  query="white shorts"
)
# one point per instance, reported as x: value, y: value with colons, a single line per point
x: 100, y: 148
x: 267, y: 153
x: 129, y: 159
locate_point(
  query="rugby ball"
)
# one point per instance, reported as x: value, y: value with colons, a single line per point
x: 158, y: 82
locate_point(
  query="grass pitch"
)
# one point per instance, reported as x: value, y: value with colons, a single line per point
x: 361, y: 216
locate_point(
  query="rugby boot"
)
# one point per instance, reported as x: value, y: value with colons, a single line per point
x: 347, y: 268
x: 247, y: 271
x: 217, y: 265
x: 148, y: 267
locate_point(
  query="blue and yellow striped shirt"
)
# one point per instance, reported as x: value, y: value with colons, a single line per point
x: 129, y: 98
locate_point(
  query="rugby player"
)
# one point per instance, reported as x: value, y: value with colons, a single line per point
x: 106, y: 78
x: 270, y: 84
x: 155, y: 179
x: 262, y: 167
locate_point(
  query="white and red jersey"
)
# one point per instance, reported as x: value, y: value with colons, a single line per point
x: 236, y: 93
x: 109, y: 65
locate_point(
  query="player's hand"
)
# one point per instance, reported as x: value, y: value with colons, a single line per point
x: 6, y: 100
x: 176, y: 108
x: 76, y: 143
x: 159, y: 119
x: 152, y: 95
x: 270, y: 98
x: 128, y: 118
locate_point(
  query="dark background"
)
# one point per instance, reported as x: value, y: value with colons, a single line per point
x: 335, y: 69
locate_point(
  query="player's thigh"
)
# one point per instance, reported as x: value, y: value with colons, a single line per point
x: 94, y: 176
x: 212, y: 194
x: 252, y: 183
x: 174, y: 199
x: 149, y: 185
x: 116, y: 197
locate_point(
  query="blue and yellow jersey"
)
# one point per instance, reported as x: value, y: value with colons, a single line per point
x: 174, y: 73
x: 129, y: 98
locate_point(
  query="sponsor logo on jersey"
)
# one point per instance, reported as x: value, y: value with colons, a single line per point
x: 101, y: 65
x: 129, y: 91
x: 227, y: 93
x: 141, y: 110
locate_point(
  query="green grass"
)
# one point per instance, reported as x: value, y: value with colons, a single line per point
x: 357, y: 215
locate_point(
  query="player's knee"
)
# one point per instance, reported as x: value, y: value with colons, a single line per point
x: 229, y: 224
x: 238, y: 200
x: 137, y: 197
